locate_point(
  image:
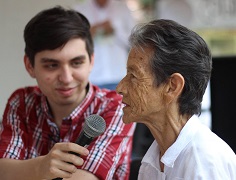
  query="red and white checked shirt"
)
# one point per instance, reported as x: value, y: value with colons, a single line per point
x: 28, y: 130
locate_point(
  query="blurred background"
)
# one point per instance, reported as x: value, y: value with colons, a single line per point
x: 214, y: 20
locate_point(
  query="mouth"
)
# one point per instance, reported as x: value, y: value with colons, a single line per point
x: 65, y: 91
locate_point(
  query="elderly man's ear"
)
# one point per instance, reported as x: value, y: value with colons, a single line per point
x: 174, y: 87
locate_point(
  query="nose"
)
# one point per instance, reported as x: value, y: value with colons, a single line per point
x: 65, y: 75
x: 121, y: 88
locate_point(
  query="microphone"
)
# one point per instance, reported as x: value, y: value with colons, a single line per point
x: 94, y: 126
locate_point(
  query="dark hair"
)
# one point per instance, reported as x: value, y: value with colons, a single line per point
x: 176, y: 49
x: 53, y: 28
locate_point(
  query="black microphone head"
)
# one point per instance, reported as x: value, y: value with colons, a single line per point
x: 94, y: 125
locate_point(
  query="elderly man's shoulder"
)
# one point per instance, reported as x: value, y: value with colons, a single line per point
x: 206, y: 146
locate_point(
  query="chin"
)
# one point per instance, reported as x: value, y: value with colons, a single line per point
x: 127, y: 119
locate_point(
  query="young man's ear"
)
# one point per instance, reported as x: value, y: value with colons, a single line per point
x: 91, y: 62
x: 28, y: 66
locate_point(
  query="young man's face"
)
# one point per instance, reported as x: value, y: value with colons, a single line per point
x: 62, y: 74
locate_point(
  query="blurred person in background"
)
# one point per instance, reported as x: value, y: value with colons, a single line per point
x: 111, y: 23
x: 168, y: 70
x: 41, y: 123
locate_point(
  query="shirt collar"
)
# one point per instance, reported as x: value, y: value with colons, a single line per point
x: 79, y: 110
x: 45, y: 106
x: 185, y: 136
x: 152, y: 156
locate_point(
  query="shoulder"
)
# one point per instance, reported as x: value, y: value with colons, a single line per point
x: 21, y: 102
x: 104, y: 101
x: 209, y: 150
x: 25, y: 92
x: 24, y: 98
x: 209, y: 142
x: 107, y: 95
x: 202, y: 139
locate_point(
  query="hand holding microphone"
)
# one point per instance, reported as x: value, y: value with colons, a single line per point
x: 94, y: 126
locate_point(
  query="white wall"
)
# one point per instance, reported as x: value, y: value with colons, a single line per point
x: 14, y: 14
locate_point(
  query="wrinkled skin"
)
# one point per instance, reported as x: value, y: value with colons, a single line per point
x: 141, y: 97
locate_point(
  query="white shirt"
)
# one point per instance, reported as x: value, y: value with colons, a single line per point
x: 197, y: 154
x: 110, y: 52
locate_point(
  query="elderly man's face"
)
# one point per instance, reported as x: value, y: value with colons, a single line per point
x: 141, y: 97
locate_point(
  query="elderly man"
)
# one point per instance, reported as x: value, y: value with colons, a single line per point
x: 168, y: 69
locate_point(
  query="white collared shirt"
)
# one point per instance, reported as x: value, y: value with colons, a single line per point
x: 197, y: 154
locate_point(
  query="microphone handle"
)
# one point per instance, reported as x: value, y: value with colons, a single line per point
x: 83, y: 140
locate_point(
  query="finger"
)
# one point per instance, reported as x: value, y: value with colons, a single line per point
x: 67, y: 167
x: 67, y: 147
x: 74, y: 159
x: 61, y: 153
x: 62, y: 170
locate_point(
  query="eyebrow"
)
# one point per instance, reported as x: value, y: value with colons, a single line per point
x: 46, y: 60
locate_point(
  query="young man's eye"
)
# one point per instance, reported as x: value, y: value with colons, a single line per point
x: 51, y: 66
x: 77, y: 63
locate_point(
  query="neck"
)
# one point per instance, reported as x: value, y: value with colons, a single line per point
x: 166, y: 130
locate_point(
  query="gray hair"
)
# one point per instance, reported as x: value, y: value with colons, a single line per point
x: 176, y: 49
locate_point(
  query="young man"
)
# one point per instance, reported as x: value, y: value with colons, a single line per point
x: 41, y: 123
